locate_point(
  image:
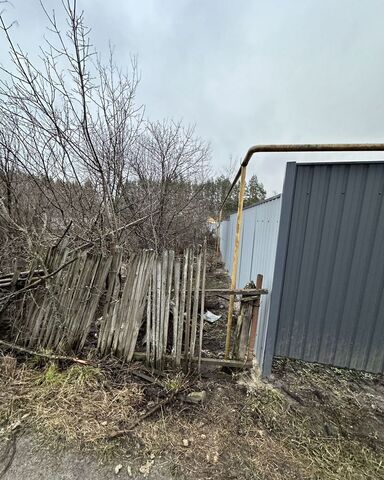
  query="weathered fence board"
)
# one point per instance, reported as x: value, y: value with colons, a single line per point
x: 156, y: 300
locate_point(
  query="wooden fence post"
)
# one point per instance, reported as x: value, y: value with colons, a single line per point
x: 255, y: 319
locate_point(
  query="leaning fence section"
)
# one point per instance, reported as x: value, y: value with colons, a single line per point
x: 148, y: 306
x: 151, y: 304
x: 58, y: 314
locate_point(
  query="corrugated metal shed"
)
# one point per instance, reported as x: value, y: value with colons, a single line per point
x: 257, y: 253
x: 328, y: 302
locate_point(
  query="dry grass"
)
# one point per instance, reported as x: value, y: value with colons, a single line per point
x: 77, y: 406
x: 312, y: 423
x: 322, y: 427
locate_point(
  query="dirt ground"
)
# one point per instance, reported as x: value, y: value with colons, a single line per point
x: 60, y: 420
x: 307, y: 422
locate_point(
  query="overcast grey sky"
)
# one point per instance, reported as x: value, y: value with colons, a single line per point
x: 245, y: 71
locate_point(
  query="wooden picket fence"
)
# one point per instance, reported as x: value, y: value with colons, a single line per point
x: 150, y: 306
x: 177, y: 289
x: 159, y: 298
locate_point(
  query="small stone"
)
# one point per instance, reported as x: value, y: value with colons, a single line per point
x: 104, y: 423
x: 152, y: 456
x: 185, y: 442
x: 197, y: 397
x: 118, y: 468
x: 129, y: 470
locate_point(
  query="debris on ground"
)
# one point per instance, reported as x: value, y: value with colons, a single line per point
x: 308, y: 422
x: 197, y: 397
x: 211, y: 317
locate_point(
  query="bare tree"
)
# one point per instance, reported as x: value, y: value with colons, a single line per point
x: 75, y: 149
x: 73, y: 117
x: 168, y: 166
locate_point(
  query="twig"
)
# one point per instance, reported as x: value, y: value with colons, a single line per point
x: 64, y: 234
x: 120, y: 433
x: 45, y: 355
x: 113, y: 232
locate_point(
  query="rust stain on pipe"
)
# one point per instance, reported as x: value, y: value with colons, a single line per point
x: 315, y: 147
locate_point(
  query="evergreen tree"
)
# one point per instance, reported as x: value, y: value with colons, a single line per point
x: 255, y: 191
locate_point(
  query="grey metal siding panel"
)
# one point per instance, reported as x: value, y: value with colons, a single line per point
x: 257, y: 254
x: 245, y: 257
x: 331, y: 307
x: 279, y: 268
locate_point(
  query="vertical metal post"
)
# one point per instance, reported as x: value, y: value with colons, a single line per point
x: 235, y: 259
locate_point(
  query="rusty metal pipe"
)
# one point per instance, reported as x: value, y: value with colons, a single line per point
x: 316, y: 147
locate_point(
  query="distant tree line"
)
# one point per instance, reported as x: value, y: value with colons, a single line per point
x: 217, y: 188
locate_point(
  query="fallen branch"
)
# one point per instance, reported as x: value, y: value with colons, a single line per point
x: 121, y: 433
x: 45, y: 355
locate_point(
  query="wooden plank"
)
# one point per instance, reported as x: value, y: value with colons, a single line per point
x: 180, y: 331
x: 236, y: 339
x: 121, y: 318
x: 154, y: 311
x: 219, y: 362
x: 72, y: 330
x: 201, y: 330
x: 242, y: 347
x: 236, y: 291
x: 42, y: 311
x: 136, y: 300
x: 107, y: 326
x: 176, y: 306
x: 85, y: 264
x: 62, y: 300
x: 23, y: 275
x: 139, y: 306
x: 93, y: 301
x: 255, y: 318
x: 158, y: 312
x: 169, y: 274
x: 195, y: 305
x: 148, y: 329
x: 129, y: 313
x: 189, y: 303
